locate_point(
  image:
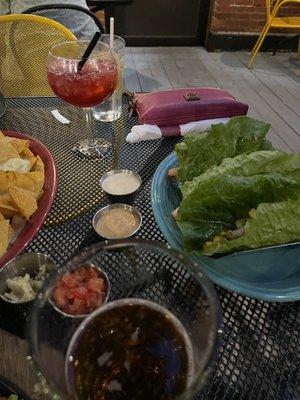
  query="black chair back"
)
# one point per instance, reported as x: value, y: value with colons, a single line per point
x: 79, y: 20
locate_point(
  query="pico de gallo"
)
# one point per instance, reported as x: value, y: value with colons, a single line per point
x: 80, y: 291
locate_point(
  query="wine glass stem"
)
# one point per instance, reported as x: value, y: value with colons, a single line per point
x: 88, y: 118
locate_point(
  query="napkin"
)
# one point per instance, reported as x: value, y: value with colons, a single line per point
x: 56, y: 114
x: 140, y: 133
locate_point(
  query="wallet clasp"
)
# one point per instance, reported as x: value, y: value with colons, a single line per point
x: 191, y: 96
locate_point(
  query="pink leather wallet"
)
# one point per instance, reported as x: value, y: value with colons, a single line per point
x: 169, y: 108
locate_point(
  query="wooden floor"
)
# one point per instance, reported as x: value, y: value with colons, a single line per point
x: 271, y: 88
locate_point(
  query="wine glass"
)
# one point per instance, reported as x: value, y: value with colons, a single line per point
x: 86, y: 87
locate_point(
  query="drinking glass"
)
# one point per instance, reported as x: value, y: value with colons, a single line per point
x: 84, y: 88
x: 139, y: 272
x: 111, y: 109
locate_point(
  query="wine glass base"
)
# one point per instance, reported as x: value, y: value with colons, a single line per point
x: 92, y: 149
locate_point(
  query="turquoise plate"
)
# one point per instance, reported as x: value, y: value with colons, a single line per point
x: 271, y: 274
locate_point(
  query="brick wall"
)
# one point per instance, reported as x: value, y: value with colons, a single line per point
x: 242, y: 16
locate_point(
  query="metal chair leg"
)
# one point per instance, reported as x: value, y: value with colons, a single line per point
x: 257, y: 42
x: 258, y: 45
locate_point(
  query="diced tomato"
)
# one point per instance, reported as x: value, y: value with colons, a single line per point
x: 80, y: 292
x: 60, y: 297
x: 91, y: 273
x: 69, y: 293
x: 99, y: 301
x: 81, y: 271
x: 95, y: 285
x: 78, y: 307
x: 71, y: 280
x: 92, y: 299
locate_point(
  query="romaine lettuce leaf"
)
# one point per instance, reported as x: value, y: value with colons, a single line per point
x: 256, y: 163
x: 239, y: 135
x: 275, y: 223
x: 210, y: 205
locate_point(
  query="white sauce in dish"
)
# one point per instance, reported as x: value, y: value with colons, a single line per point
x: 117, y: 223
x: 121, y: 183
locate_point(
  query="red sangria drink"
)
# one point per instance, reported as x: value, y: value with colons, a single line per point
x: 84, y: 88
x: 91, y: 86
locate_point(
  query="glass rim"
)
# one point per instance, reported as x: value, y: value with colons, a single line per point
x: 75, y: 42
x: 117, y: 47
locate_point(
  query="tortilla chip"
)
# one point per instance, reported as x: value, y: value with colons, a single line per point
x: 32, y: 161
x: 38, y: 166
x: 37, y: 178
x: 19, y: 191
x: 3, y: 183
x: 4, y: 236
x: 7, y: 151
x: 7, y: 207
x: 35, y: 195
x: 32, y: 181
x: 26, y: 153
x: 19, y: 144
x: 26, y: 204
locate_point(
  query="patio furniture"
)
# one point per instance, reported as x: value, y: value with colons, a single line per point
x: 25, y: 41
x: 258, y: 359
x: 79, y: 20
x: 277, y: 22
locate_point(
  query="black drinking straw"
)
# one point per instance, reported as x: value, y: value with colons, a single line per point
x: 88, y: 50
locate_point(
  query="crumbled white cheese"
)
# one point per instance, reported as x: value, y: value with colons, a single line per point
x: 25, y: 288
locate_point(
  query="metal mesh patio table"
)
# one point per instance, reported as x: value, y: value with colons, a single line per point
x: 260, y: 354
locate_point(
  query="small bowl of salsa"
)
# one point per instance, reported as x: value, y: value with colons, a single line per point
x: 120, y: 185
x: 79, y: 292
x: 117, y: 221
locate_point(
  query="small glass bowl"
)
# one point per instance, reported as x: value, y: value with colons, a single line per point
x: 103, y: 210
x: 127, y: 198
x: 138, y: 270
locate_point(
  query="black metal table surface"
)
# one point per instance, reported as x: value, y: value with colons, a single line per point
x: 259, y: 357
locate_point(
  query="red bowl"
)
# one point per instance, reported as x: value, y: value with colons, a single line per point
x: 44, y: 204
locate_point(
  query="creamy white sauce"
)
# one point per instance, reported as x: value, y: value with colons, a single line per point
x: 120, y: 183
x: 117, y: 223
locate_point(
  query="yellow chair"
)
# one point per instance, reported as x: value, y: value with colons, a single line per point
x: 25, y: 41
x: 277, y: 22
